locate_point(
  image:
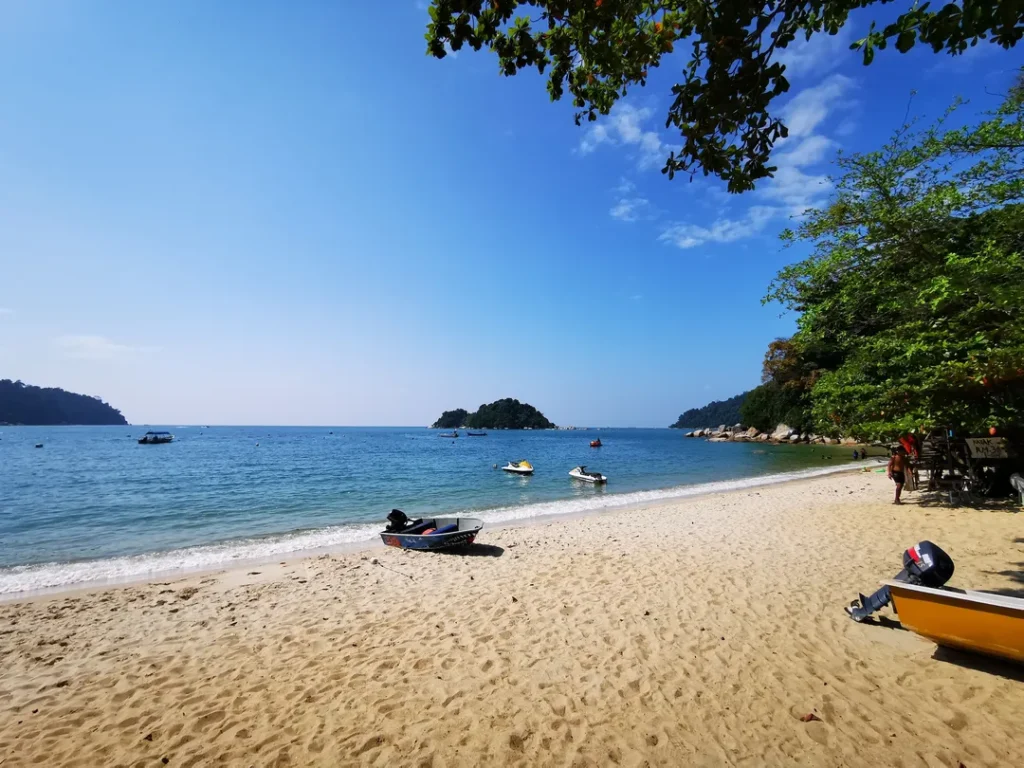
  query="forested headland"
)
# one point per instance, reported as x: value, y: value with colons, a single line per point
x: 22, y: 403
x: 716, y: 412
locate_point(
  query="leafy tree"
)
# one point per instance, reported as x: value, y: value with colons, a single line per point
x: 508, y: 414
x: 787, y: 376
x: 599, y: 49
x: 771, y: 404
x: 714, y: 413
x: 914, y: 286
x: 451, y: 419
x: 40, y: 406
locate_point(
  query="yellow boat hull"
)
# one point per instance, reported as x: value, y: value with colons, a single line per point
x: 970, y: 621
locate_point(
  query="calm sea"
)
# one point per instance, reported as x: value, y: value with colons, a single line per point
x: 93, y: 505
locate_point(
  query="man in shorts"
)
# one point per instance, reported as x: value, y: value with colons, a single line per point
x: 897, y: 470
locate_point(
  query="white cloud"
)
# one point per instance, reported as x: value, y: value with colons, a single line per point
x: 627, y: 119
x: 624, y: 126
x: 809, y: 151
x: 595, y: 136
x: 625, y: 186
x: 821, y: 54
x: 794, y: 188
x: 628, y: 209
x: 93, y: 347
x: 651, y: 154
x: 805, y: 111
x: 721, y: 231
x: 846, y: 128
x: 797, y: 191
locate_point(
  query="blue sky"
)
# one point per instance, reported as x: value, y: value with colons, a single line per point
x: 257, y: 212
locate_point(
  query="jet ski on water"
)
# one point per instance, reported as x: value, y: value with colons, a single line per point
x: 581, y: 473
x: 522, y: 467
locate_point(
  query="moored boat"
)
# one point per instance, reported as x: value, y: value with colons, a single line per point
x: 522, y: 467
x: 581, y: 473
x: 980, y: 622
x: 155, y: 438
x: 449, y: 434
x: 429, y: 534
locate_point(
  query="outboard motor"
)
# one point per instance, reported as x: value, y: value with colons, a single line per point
x: 398, y: 521
x: 924, y: 565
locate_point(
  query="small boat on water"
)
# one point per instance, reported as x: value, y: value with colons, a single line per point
x: 429, y: 534
x: 980, y: 622
x: 580, y: 473
x: 449, y: 434
x: 476, y: 434
x: 155, y: 438
x: 522, y: 467
x: 595, y: 443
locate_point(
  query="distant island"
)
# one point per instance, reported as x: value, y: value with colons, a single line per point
x: 715, y: 412
x: 501, y: 414
x: 22, y: 403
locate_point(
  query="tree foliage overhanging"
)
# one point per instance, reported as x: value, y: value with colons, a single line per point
x: 912, y: 302
x: 599, y: 49
x: 784, y: 394
x: 714, y: 413
x: 42, y: 406
x: 501, y: 414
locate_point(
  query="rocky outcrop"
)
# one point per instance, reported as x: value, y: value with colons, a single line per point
x: 782, y: 433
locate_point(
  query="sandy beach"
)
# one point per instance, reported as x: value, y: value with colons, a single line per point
x: 692, y: 633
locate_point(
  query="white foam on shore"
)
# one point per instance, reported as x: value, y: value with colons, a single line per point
x: 47, y: 577
x: 608, y: 501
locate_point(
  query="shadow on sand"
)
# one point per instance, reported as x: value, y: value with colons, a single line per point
x: 474, y: 550
x: 1015, y: 574
x: 979, y: 663
x: 885, y: 623
x: 926, y: 498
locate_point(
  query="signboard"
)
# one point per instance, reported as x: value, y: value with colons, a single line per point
x: 987, y: 447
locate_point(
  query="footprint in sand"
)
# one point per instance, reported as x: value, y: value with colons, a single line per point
x: 957, y: 722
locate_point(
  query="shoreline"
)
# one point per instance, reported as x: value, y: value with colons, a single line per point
x: 699, y: 631
x: 654, y: 497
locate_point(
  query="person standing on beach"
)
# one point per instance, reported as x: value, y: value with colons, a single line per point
x: 897, y: 471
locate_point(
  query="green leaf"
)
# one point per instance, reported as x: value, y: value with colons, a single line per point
x: 905, y: 41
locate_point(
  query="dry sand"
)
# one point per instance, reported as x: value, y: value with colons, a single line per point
x: 695, y: 633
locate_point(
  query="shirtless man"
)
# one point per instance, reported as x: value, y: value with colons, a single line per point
x: 897, y: 470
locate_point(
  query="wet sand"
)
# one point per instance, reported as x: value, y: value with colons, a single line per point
x: 696, y: 632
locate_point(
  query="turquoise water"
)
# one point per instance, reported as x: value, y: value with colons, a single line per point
x: 92, y: 504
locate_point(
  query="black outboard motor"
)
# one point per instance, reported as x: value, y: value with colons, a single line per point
x: 398, y: 521
x: 924, y: 565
